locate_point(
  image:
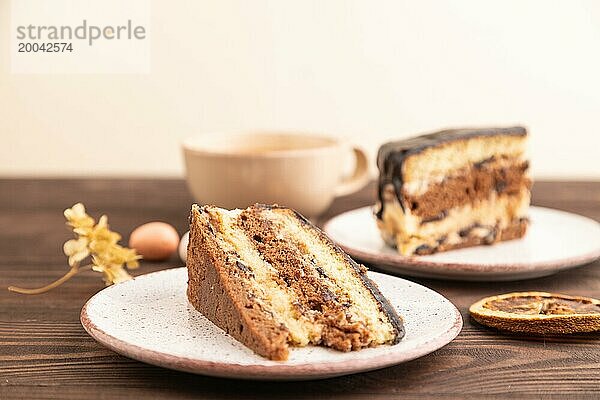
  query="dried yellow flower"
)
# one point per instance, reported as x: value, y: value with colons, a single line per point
x: 77, y: 217
x: 77, y: 250
x: 95, y: 240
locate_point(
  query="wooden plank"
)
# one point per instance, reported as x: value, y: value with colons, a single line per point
x: 45, y: 353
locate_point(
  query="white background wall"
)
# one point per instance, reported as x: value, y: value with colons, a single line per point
x: 364, y: 70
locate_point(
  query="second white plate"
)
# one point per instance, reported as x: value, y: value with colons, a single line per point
x: 556, y: 240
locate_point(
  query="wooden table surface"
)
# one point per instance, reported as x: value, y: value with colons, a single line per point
x: 45, y: 353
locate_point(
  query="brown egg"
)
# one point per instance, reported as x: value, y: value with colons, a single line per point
x: 154, y: 241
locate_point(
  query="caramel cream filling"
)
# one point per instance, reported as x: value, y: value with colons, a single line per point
x: 272, y: 297
x: 407, y: 232
x: 279, y: 299
x: 341, y: 280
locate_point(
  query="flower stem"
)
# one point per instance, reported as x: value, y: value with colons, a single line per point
x: 72, y: 272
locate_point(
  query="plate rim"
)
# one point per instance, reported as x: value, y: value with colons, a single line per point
x: 280, y: 371
x: 403, y: 262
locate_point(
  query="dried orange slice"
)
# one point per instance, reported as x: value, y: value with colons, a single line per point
x: 538, y: 313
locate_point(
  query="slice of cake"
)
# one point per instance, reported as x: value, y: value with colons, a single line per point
x: 452, y: 189
x: 272, y: 280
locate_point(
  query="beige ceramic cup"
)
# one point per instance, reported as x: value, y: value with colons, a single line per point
x: 301, y: 171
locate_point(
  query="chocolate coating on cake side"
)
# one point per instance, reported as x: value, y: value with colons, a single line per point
x: 392, y: 155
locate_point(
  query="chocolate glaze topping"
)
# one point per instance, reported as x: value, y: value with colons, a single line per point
x: 391, y: 156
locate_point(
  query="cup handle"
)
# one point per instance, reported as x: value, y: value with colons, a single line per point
x: 359, y: 178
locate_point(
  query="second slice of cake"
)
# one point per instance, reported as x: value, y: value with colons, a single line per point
x: 272, y: 280
x: 452, y: 189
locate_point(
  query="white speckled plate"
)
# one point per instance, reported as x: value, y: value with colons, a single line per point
x: 149, y: 319
x: 556, y: 240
